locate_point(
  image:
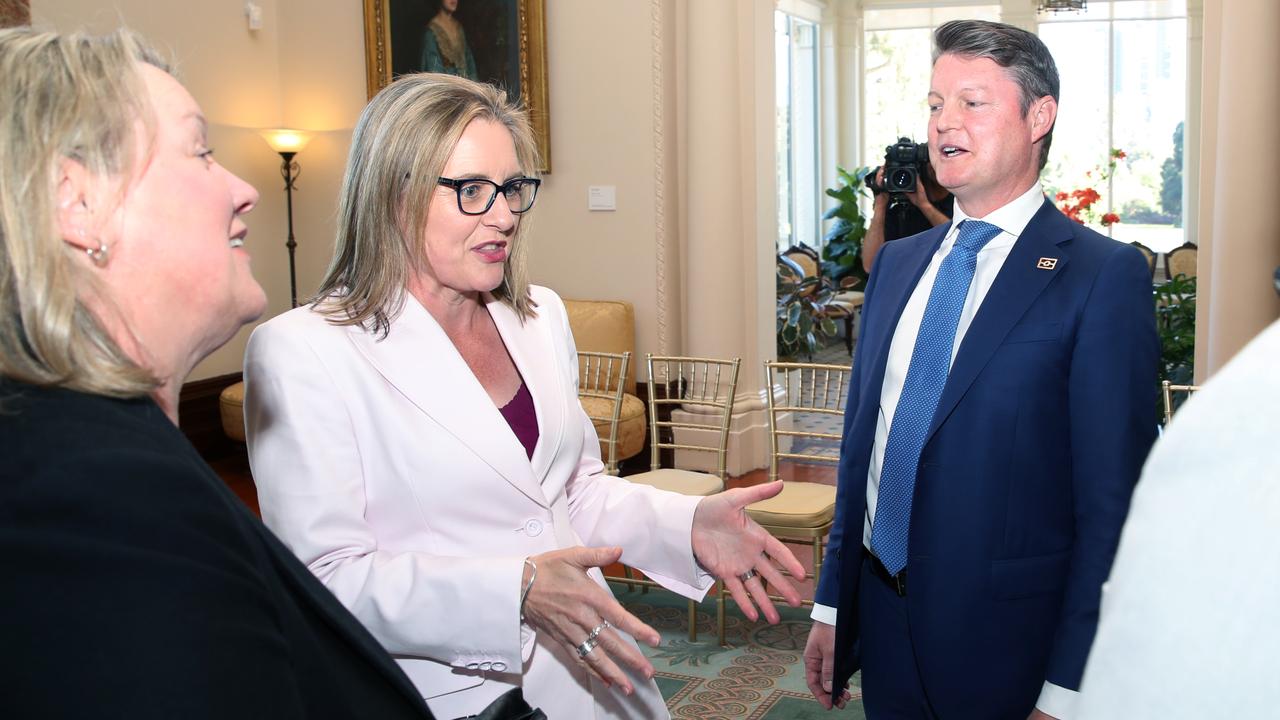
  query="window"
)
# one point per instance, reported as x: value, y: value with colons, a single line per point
x: 897, y: 47
x: 1124, y: 87
x: 796, y: 58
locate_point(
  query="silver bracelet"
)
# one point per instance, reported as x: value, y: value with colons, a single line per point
x: 533, y: 575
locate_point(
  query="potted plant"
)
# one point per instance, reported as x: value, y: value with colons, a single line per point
x: 842, y: 255
x: 807, y: 311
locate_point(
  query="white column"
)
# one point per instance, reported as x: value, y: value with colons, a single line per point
x: 727, y: 201
x: 1240, y: 171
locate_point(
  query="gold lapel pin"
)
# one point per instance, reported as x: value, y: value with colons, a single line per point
x: 1047, y: 263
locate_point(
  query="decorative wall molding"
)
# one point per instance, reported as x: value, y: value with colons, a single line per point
x: 659, y: 181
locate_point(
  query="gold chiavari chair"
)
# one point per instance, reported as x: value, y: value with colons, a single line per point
x: 601, y: 388
x: 805, y: 425
x: 1170, y: 393
x: 690, y: 407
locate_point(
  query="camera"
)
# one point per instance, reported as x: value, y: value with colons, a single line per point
x: 902, y: 163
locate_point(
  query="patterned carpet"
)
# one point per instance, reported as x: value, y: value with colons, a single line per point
x: 759, y: 676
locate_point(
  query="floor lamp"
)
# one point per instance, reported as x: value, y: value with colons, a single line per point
x: 289, y: 143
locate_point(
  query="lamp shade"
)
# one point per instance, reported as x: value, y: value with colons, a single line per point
x: 285, y: 140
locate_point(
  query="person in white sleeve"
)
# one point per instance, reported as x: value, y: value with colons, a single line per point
x: 416, y: 438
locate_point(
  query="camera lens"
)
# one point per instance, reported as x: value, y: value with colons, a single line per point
x: 902, y: 179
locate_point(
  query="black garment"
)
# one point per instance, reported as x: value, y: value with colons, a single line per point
x: 134, y: 584
x: 907, y: 220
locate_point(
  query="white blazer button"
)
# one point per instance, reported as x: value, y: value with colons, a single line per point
x: 485, y: 666
x: 499, y: 667
x: 473, y: 666
x: 533, y: 528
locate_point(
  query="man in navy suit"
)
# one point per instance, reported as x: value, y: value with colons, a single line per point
x: 1001, y: 405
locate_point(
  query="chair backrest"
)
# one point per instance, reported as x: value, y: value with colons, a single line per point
x: 804, y: 256
x: 691, y: 399
x: 807, y: 422
x: 604, y: 326
x: 1171, y: 398
x: 602, y: 381
x: 1149, y: 254
x: 1181, y: 261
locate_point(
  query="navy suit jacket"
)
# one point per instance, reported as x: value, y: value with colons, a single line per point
x: 1026, y: 473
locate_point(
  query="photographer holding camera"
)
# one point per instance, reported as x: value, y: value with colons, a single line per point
x: 908, y: 198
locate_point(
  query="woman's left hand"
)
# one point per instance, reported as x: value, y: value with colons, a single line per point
x: 729, y: 544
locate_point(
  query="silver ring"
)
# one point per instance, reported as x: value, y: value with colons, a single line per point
x: 585, y: 648
x: 744, y: 577
x: 595, y: 632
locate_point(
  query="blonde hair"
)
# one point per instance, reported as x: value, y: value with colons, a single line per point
x: 62, y: 97
x: 400, y: 146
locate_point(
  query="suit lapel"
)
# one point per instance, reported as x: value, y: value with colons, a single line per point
x: 1020, y: 281
x: 531, y: 349
x: 420, y: 361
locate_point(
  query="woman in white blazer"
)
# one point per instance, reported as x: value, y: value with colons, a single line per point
x: 416, y: 439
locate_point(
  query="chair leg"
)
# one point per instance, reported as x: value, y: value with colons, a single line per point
x: 720, y: 614
x: 848, y: 333
x: 819, y: 550
x: 693, y: 621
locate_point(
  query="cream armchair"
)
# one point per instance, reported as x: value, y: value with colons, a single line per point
x: 609, y: 326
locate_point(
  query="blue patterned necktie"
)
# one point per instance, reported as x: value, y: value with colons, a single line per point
x: 926, y: 376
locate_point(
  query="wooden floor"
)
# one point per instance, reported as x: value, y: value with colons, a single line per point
x: 234, y: 471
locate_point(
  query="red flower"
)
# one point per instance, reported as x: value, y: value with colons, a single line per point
x: 1110, y: 219
x: 1060, y: 196
x: 1118, y: 154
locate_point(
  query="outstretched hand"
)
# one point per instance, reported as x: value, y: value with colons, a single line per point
x: 728, y: 543
x: 566, y: 603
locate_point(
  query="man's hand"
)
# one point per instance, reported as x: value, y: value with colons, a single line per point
x: 1037, y: 715
x: 819, y: 659
x: 880, y: 198
x: 919, y: 197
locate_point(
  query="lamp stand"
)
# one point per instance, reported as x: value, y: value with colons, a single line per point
x: 290, y: 171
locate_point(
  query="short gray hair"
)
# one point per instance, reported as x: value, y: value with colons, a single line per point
x: 1021, y: 53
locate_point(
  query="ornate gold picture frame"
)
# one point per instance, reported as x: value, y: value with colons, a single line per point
x: 502, y: 41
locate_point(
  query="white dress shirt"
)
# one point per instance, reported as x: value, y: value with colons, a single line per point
x: 1012, y: 219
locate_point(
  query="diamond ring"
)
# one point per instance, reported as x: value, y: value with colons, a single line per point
x: 585, y: 648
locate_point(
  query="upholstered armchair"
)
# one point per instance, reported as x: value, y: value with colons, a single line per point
x: 609, y: 326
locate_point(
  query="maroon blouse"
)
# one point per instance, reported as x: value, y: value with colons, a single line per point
x: 523, y: 419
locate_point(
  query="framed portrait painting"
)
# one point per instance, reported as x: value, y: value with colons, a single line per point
x: 15, y: 13
x: 503, y: 42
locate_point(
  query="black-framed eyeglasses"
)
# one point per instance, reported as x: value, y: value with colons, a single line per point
x: 475, y: 195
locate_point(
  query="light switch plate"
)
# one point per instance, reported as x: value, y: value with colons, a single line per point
x: 253, y: 11
x: 602, y: 197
